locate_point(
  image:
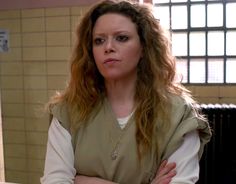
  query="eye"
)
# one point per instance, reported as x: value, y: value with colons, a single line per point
x: 98, y: 41
x: 122, y: 38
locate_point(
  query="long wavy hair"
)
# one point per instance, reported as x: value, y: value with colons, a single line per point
x: 156, y: 73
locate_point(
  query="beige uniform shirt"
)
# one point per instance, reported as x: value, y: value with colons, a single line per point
x: 105, y: 150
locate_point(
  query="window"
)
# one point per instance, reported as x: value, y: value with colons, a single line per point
x: 203, y: 34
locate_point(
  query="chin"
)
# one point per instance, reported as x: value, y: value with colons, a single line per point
x: 112, y: 77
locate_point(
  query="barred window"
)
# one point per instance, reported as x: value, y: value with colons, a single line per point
x: 203, y: 34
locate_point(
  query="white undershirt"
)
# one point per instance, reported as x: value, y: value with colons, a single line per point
x: 59, y: 162
x: 123, y: 121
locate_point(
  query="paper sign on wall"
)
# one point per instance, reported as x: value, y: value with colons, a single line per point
x: 4, y: 42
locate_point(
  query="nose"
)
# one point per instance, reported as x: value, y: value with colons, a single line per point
x: 109, y: 46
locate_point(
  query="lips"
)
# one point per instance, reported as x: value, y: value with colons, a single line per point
x: 111, y: 60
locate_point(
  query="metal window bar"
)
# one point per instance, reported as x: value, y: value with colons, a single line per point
x: 205, y: 29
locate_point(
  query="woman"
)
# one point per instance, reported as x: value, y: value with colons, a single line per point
x: 122, y: 113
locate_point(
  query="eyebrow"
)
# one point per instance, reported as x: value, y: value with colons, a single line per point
x: 115, y: 33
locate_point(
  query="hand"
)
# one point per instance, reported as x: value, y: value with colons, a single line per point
x: 80, y: 179
x: 165, y: 173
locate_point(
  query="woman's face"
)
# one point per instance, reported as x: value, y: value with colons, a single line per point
x: 116, y: 46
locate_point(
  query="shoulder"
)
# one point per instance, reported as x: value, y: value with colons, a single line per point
x: 181, y: 106
x: 61, y: 112
x: 185, y: 114
x: 185, y: 118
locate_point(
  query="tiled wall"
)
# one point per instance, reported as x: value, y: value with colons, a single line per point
x: 33, y: 69
x: 36, y: 66
x: 214, y: 94
x: 2, y: 173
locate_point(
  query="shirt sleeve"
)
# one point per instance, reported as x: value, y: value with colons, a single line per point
x: 187, y: 160
x: 59, y: 161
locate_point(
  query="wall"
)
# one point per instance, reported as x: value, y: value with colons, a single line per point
x: 214, y: 94
x: 2, y: 173
x: 26, y: 4
x: 33, y: 69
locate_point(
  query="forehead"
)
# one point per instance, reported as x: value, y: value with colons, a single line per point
x: 114, y: 21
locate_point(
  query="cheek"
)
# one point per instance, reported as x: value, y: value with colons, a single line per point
x: 134, y: 53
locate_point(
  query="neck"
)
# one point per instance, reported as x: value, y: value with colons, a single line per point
x: 120, y: 94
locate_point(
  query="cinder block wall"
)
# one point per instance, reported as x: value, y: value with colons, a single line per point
x: 33, y: 69
x: 214, y: 94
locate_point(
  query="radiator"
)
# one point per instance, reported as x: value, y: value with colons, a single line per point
x: 218, y: 162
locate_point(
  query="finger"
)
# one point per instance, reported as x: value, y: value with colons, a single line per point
x: 166, y: 169
x: 165, y: 179
x: 163, y: 164
x: 170, y: 174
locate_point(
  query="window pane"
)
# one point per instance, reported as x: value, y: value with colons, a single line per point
x: 214, y: 15
x: 178, y: 38
x: 230, y: 43
x: 215, y: 43
x: 197, y: 71
x: 182, y: 70
x: 230, y: 14
x: 230, y: 71
x: 162, y: 13
x: 201, y: 30
x: 215, y: 71
x: 197, y: 44
x: 198, y: 15
x: 179, y: 17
